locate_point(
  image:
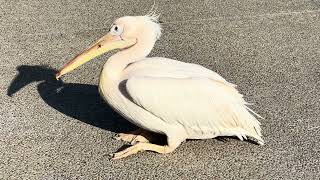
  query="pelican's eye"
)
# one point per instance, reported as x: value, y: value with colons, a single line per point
x: 116, y: 30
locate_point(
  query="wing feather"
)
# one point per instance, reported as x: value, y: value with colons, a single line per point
x: 201, y: 105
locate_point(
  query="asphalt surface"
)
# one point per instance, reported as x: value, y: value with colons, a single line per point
x: 64, y: 130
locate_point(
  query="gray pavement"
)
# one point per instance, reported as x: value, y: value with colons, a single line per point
x: 63, y: 130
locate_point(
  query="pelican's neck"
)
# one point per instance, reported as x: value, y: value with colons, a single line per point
x: 113, y: 68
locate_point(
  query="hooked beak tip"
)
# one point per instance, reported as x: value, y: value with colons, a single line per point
x: 58, y: 75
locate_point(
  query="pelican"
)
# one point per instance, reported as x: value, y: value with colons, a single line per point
x: 160, y: 95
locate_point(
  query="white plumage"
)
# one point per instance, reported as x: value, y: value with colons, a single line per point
x: 189, y: 95
x: 181, y: 100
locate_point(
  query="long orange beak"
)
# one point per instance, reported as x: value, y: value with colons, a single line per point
x: 105, y: 44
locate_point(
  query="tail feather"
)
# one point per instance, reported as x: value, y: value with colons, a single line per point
x: 242, y: 134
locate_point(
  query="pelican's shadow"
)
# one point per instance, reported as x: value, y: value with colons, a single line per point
x: 80, y: 101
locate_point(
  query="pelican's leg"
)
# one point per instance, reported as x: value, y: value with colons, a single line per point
x: 129, y: 136
x: 174, y: 140
x: 142, y: 147
x: 134, y: 137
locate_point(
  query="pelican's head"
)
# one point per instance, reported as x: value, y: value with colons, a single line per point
x: 125, y: 32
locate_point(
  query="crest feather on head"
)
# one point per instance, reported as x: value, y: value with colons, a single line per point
x: 153, y: 17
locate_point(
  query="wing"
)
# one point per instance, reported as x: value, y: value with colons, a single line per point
x: 201, y: 105
x: 164, y: 67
